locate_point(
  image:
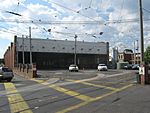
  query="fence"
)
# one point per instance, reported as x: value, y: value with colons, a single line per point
x: 26, y: 70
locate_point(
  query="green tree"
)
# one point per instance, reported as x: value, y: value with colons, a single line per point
x: 147, y: 55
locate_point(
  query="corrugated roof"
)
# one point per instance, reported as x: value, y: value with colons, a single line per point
x: 61, y: 46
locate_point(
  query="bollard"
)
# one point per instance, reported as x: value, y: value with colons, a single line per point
x: 138, y: 78
x: 34, y: 70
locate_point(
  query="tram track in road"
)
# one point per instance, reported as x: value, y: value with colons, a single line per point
x: 60, y: 85
x: 81, y: 90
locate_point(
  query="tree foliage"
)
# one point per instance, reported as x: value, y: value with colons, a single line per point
x: 147, y: 55
x: 128, y: 51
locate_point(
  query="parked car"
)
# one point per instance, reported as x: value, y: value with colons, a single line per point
x: 128, y: 66
x: 135, y: 66
x: 102, y: 67
x: 73, y: 67
x: 6, y: 74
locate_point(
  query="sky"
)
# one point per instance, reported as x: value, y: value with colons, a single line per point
x: 113, y: 21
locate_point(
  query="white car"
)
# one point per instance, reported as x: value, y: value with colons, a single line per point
x: 73, y: 67
x: 6, y: 74
x: 102, y: 67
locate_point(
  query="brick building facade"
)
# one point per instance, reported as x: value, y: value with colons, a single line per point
x: 56, y: 54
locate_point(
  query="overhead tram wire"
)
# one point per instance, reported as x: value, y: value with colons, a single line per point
x: 43, y: 28
x: 90, y: 3
x: 72, y: 22
x: 71, y: 10
x: 148, y: 11
x: 69, y: 23
x: 13, y: 13
x: 34, y: 21
x: 120, y: 15
x: 69, y: 33
x: 17, y: 14
x: 44, y: 22
x: 23, y: 15
x: 9, y: 31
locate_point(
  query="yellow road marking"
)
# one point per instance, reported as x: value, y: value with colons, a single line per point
x: 95, y: 85
x: 16, y: 101
x: 119, y: 89
x: 89, y: 101
x: 36, y: 80
x: 66, y: 91
x: 72, y: 93
x: 86, y: 101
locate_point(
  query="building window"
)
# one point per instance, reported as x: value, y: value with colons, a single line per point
x: 72, y: 48
x: 63, y: 48
x: 53, y: 47
x: 43, y: 47
x: 81, y: 49
x: 98, y: 49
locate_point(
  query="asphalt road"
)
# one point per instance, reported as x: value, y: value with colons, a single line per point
x: 87, y: 91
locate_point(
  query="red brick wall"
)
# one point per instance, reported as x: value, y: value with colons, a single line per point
x: 9, y: 57
x: 128, y: 57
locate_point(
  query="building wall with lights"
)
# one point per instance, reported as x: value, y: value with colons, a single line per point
x: 57, y: 54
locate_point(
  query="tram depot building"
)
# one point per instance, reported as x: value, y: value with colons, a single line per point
x: 56, y: 54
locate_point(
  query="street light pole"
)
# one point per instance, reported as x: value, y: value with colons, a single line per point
x: 75, y: 47
x: 141, y: 29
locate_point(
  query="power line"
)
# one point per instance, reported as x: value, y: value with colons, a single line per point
x: 90, y: 3
x: 9, y: 31
x: 71, y: 10
x: 120, y: 15
x: 71, y: 22
x: 148, y: 11
x: 14, y: 13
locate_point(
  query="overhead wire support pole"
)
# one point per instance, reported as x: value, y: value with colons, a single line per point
x: 141, y: 30
x: 23, y: 61
x: 75, y: 51
x: 30, y: 45
x: 134, y: 54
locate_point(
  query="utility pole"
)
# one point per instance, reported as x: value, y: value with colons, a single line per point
x: 75, y: 52
x: 17, y: 53
x: 23, y: 49
x: 134, y: 54
x: 137, y: 51
x: 141, y: 29
x: 30, y: 45
x: 143, y: 70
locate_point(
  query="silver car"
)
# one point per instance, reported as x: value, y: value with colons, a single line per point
x: 6, y: 74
